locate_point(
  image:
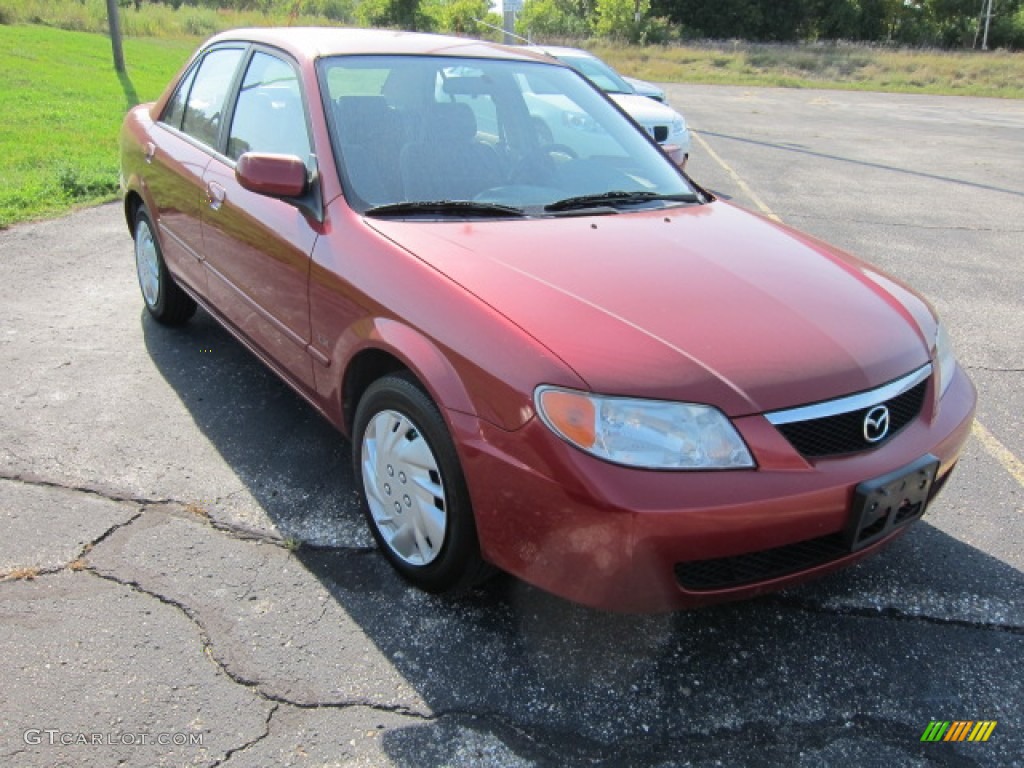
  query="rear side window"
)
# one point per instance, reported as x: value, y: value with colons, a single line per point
x: 175, y: 109
x: 204, y: 105
x: 269, y: 116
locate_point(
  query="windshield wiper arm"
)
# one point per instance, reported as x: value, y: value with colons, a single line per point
x: 617, y: 197
x: 446, y: 208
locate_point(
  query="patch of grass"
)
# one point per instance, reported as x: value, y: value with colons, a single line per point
x: 61, y: 103
x: 61, y: 106
x: 151, y: 19
x: 841, y: 66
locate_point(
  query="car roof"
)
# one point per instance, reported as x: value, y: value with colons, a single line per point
x: 561, y: 50
x: 316, y: 42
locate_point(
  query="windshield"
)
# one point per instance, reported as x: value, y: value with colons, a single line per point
x: 501, y: 133
x: 599, y: 73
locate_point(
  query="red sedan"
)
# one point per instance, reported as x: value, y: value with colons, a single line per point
x: 553, y: 352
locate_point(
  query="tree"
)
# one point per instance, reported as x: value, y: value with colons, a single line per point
x: 619, y: 18
x: 401, y: 14
x: 460, y: 16
x: 554, y: 18
x: 748, y: 19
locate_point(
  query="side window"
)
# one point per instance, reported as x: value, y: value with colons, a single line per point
x: 269, y: 116
x: 175, y: 108
x: 208, y: 94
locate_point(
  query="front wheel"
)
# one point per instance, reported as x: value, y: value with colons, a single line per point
x: 164, y: 299
x: 415, y: 495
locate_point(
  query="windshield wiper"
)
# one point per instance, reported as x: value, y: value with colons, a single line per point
x: 617, y: 197
x: 446, y: 208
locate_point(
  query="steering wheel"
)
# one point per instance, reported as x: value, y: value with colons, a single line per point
x: 539, y: 165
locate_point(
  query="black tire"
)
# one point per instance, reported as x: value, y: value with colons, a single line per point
x: 396, y: 420
x: 164, y: 298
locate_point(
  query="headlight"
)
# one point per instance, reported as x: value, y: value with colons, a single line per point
x: 650, y: 434
x: 678, y: 126
x: 945, y: 361
x: 580, y: 121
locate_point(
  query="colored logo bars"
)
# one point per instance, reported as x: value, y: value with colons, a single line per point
x: 958, y: 730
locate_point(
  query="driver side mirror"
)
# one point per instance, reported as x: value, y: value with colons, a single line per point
x: 272, y: 175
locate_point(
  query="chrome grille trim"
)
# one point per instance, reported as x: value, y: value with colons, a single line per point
x: 849, y: 403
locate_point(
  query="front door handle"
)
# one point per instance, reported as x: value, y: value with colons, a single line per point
x: 215, y: 195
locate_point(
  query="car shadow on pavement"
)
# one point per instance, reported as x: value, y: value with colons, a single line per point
x: 293, y: 463
x: 844, y: 671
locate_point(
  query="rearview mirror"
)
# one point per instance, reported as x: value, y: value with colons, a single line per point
x: 273, y: 175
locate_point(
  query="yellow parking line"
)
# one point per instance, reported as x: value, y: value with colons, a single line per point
x: 996, y: 449
x: 999, y: 452
x: 735, y: 177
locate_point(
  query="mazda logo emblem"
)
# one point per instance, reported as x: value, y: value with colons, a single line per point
x: 876, y: 424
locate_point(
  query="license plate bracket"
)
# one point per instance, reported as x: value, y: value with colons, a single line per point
x: 891, y: 501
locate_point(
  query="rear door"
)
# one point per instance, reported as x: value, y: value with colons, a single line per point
x: 257, y: 247
x: 182, y: 146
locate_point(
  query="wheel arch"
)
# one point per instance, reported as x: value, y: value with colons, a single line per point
x: 392, y: 346
x: 365, y: 367
x: 132, y: 202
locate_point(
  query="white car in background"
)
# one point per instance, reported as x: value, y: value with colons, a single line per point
x: 667, y: 126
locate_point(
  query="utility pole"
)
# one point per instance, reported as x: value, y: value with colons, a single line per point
x: 988, y: 18
x: 509, y: 10
x: 114, y: 20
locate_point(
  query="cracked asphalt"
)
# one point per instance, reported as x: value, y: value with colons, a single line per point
x: 155, y: 485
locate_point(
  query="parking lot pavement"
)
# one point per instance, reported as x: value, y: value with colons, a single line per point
x: 155, y: 485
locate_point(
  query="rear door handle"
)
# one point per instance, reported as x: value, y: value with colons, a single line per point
x: 150, y: 151
x: 215, y: 195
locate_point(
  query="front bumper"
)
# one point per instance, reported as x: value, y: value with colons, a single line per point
x: 614, y: 538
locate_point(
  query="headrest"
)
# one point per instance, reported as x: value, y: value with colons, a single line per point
x: 451, y: 122
x: 362, y: 118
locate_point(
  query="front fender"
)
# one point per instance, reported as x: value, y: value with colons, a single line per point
x: 368, y: 294
x: 416, y: 352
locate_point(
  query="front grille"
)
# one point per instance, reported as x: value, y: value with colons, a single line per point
x: 844, y: 432
x: 725, y: 572
x: 660, y: 133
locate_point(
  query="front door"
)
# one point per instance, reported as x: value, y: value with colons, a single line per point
x: 257, y: 247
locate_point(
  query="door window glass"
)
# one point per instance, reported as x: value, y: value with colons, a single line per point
x: 208, y: 94
x: 175, y: 109
x: 269, y: 116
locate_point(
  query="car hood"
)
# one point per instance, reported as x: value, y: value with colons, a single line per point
x: 704, y: 304
x: 644, y: 110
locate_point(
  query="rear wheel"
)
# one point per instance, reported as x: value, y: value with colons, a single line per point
x: 164, y: 299
x: 415, y: 495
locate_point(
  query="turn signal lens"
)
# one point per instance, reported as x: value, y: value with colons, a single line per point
x: 570, y: 414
